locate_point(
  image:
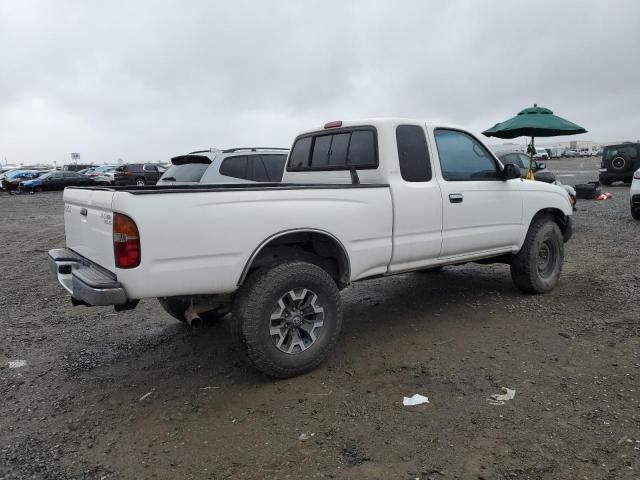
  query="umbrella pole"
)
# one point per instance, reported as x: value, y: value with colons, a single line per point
x: 532, y: 149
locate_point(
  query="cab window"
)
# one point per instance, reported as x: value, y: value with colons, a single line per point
x: 463, y: 158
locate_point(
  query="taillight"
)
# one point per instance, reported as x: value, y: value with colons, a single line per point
x: 637, y: 175
x: 126, y: 242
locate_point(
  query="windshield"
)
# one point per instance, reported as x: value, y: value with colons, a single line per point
x: 47, y: 175
x: 186, y: 172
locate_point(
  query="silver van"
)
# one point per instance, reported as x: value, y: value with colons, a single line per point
x: 235, y: 165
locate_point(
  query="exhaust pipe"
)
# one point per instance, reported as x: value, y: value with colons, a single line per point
x: 192, y: 317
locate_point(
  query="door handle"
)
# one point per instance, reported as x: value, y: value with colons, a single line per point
x: 456, y: 197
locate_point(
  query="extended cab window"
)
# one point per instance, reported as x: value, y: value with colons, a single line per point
x: 462, y: 157
x: 338, y: 150
x: 415, y: 165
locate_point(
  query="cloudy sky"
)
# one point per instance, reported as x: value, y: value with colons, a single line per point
x: 145, y: 80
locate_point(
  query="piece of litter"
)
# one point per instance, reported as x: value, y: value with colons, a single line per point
x: 304, y: 436
x: 500, y: 398
x: 17, y: 363
x: 417, y: 399
x: 146, y: 395
x: 208, y: 388
x: 320, y: 394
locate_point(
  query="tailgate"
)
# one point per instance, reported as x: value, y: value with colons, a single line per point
x: 88, y: 224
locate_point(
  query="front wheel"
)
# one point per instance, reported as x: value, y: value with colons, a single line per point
x: 635, y: 213
x: 290, y: 315
x: 140, y: 182
x: 536, y: 267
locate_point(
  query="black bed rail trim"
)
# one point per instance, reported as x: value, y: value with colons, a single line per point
x: 231, y: 187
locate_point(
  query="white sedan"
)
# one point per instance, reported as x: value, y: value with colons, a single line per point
x: 635, y: 195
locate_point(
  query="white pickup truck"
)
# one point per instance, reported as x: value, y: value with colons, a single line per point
x: 359, y: 199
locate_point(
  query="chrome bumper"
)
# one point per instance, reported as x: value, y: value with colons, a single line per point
x: 87, y: 282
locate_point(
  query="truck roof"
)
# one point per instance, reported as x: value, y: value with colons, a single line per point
x: 380, y: 122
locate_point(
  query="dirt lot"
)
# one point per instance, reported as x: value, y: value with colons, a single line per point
x: 137, y: 395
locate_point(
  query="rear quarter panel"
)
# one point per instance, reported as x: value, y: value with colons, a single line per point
x: 199, y: 242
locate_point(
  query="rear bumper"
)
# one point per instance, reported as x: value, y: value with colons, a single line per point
x: 87, y: 282
x: 608, y: 176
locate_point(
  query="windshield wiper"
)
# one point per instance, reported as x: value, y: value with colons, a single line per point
x: 171, y: 179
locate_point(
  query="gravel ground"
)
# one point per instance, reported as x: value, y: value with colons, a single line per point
x: 137, y: 395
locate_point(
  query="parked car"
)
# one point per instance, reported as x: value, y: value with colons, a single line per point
x: 11, y: 182
x: 4, y: 170
x: 75, y: 167
x: 522, y: 161
x: 541, y: 154
x: 98, y: 172
x: 87, y: 171
x: 358, y: 199
x: 235, y: 165
x: 131, y: 174
x: 619, y: 162
x: 634, y: 196
x: 55, y: 180
x: 570, y: 153
x: 12, y: 170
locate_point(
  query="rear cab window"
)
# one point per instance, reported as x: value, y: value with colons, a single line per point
x: 335, y: 149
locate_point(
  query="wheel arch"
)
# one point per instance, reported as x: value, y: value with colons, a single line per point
x: 558, y: 216
x: 300, y: 243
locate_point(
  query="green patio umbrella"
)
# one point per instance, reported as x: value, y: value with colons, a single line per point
x: 534, y: 122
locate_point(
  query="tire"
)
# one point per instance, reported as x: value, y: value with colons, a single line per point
x: 271, y: 307
x: 536, y: 267
x: 619, y: 163
x: 140, y: 182
x: 176, y: 308
x: 635, y: 213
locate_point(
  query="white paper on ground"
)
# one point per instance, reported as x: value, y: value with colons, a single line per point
x: 17, y: 363
x: 417, y: 399
x: 500, y: 398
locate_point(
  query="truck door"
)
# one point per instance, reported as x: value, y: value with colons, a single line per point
x: 481, y: 212
x: 417, y: 203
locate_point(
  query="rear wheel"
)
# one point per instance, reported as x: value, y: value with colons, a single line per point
x: 536, y: 267
x: 635, y: 213
x: 140, y: 182
x: 290, y: 315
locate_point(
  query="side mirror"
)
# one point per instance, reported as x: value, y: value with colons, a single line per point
x: 510, y: 172
x: 540, y: 166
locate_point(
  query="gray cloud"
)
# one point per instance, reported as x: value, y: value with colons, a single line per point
x: 147, y: 80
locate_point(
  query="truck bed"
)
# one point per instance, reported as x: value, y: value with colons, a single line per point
x: 197, y: 239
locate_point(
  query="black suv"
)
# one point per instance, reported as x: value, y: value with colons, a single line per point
x: 619, y: 162
x: 136, y: 174
x: 75, y: 167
